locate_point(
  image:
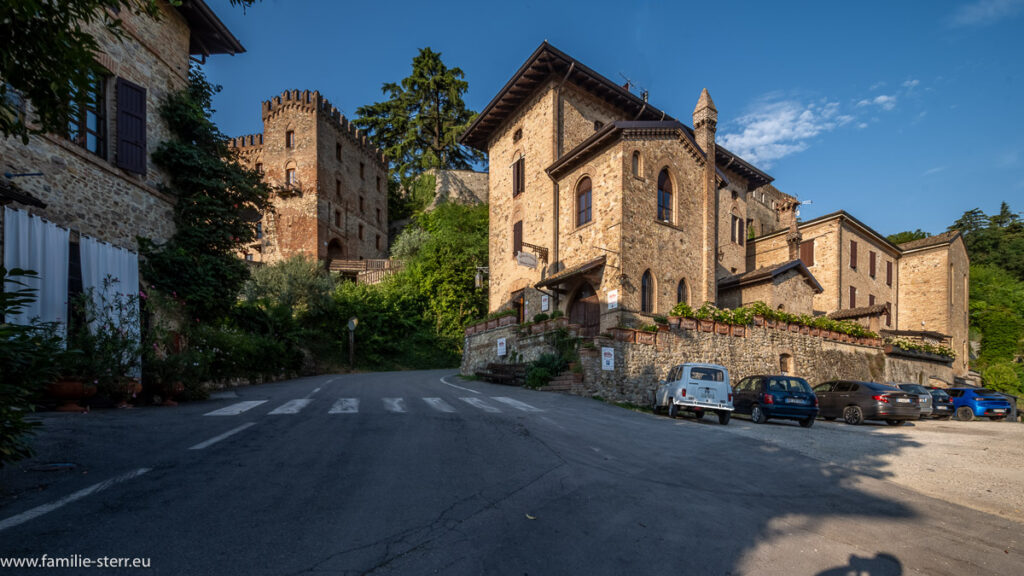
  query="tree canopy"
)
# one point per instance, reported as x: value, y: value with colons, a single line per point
x: 419, y: 123
x: 907, y: 236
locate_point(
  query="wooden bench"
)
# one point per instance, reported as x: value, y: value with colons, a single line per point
x: 508, y: 374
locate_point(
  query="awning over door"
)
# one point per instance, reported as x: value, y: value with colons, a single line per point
x: 570, y: 273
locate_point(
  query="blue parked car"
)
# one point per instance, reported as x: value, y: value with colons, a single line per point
x: 981, y: 402
x: 776, y: 396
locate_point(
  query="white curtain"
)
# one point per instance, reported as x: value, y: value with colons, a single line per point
x: 112, y: 273
x: 31, y: 243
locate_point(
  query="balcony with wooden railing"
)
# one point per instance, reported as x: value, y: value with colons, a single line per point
x: 366, y: 271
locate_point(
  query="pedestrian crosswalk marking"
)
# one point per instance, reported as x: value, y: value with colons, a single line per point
x: 345, y: 406
x: 516, y: 404
x: 478, y: 403
x: 394, y: 404
x: 236, y: 409
x: 439, y: 405
x: 292, y: 406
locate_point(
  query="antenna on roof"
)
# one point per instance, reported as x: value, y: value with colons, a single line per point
x: 643, y: 91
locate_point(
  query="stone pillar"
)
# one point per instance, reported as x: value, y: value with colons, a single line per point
x: 705, y: 121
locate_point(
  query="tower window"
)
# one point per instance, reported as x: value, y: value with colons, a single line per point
x: 664, y: 197
x: 362, y: 170
x: 337, y: 150
x: 360, y: 231
x: 583, y: 202
x: 289, y: 177
x: 647, y: 293
x: 289, y: 139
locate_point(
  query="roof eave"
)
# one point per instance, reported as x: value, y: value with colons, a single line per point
x: 209, y: 35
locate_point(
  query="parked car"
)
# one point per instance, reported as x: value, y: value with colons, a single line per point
x: 924, y: 397
x: 765, y: 397
x: 856, y: 402
x: 698, y: 388
x: 942, y: 404
x: 980, y: 402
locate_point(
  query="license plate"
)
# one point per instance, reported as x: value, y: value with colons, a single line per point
x: 709, y: 394
x: 904, y: 400
x: 795, y: 401
x: 1000, y: 411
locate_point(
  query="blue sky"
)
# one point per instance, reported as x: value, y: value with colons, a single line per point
x: 905, y: 114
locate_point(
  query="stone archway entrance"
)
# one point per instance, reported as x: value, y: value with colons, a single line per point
x: 585, y: 310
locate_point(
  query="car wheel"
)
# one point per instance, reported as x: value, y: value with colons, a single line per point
x: 757, y: 415
x: 894, y: 422
x: 698, y: 414
x: 723, y: 417
x: 807, y: 422
x: 853, y: 415
x: 964, y: 413
x: 673, y: 410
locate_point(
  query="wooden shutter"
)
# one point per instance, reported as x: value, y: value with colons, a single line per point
x: 807, y: 253
x: 871, y: 299
x: 888, y: 273
x: 853, y: 253
x: 131, y: 126
x: 853, y: 297
x: 517, y: 237
x: 742, y: 233
x: 871, y: 263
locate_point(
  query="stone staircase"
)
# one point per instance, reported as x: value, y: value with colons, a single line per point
x: 567, y: 381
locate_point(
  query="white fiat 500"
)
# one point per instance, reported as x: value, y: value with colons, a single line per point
x: 698, y: 388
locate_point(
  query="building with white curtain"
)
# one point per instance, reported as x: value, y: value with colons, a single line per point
x: 74, y: 203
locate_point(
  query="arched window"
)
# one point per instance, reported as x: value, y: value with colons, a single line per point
x: 681, y: 295
x: 647, y: 293
x: 636, y: 164
x: 664, y: 197
x: 583, y: 201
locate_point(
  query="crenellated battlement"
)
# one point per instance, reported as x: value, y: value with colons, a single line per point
x: 246, y: 143
x: 314, y: 102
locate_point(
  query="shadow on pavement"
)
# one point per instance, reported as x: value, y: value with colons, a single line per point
x: 881, y: 565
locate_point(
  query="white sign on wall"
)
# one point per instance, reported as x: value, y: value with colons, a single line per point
x: 544, y: 302
x: 607, y: 358
x: 613, y: 299
x: 502, y: 350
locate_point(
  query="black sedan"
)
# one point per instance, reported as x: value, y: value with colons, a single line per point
x: 856, y: 402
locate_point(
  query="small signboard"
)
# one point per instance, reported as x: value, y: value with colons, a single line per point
x: 613, y: 299
x: 502, y: 349
x: 526, y: 259
x: 607, y: 358
x: 545, y: 302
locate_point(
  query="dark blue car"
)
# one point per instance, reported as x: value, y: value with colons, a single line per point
x: 969, y: 403
x: 786, y: 397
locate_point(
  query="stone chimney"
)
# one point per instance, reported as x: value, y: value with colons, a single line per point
x: 787, y: 217
x: 705, y: 120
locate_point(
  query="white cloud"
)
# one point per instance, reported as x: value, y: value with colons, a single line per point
x: 778, y: 128
x: 935, y: 170
x: 886, y: 102
x: 984, y: 12
x: 911, y: 83
x: 876, y: 86
x: 862, y: 125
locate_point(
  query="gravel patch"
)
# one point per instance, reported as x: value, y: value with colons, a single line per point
x: 975, y: 464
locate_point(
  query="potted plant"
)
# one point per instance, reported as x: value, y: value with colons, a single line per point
x: 623, y: 334
x: 661, y: 322
x: 647, y: 335
x: 110, y: 335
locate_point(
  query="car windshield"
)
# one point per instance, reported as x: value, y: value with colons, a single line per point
x: 939, y: 394
x: 788, y: 385
x: 881, y: 387
x: 989, y: 394
x: 915, y: 388
x: 708, y: 374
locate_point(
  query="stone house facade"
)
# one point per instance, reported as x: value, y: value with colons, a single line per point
x: 96, y: 185
x: 607, y: 208
x: 331, y: 183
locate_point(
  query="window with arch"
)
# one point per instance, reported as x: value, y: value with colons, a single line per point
x: 636, y: 164
x: 664, y: 196
x: 647, y: 293
x: 681, y: 293
x: 289, y: 177
x: 583, y: 202
x: 289, y: 139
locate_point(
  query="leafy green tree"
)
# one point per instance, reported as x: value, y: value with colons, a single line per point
x: 419, y: 123
x: 907, y: 236
x: 1004, y: 377
x: 49, y: 56
x: 971, y: 221
x: 216, y: 197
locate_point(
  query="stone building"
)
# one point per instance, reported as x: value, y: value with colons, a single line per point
x: 76, y: 201
x: 605, y: 207
x: 331, y: 200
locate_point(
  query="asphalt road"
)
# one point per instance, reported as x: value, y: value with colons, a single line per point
x: 403, y: 473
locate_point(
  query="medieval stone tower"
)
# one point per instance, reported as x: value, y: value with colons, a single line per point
x: 332, y: 203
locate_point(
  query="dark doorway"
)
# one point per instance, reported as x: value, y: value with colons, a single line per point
x: 335, y: 251
x: 585, y: 311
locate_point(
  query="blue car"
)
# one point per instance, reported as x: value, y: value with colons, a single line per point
x: 969, y: 403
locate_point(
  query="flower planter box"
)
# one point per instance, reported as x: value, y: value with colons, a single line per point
x: 662, y: 327
x: 781, y: 326
x: 589, y: 352
x: 815, y: 331
x: 644, y: 337
x: 470, y: 330
x: 506, y: 320
x: 805, y: 330
x: 707, y: 325
x: 538, y: 327
x: 492, y: 324
x: 769, y: 323
x: 560, y: 322
x: 739, y: 331
x: 794, y: 328
x: 721, y: 328
x: 687, y: 323
x: 624, y: 334
x: 69, y: 392
x: 758, y: 320
x: 673, y: 321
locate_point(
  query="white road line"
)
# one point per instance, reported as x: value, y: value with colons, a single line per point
x: 46, y: 508
x: 478, y: 403
x: 236, y: 409
x: 292, y: 406
x: 310, y: 395
x: 516, y: 404
x: 216, y: 439
x: 439, y: 405
x: 345, y: 406
x: 443, y: 381
x: 394, y: 404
